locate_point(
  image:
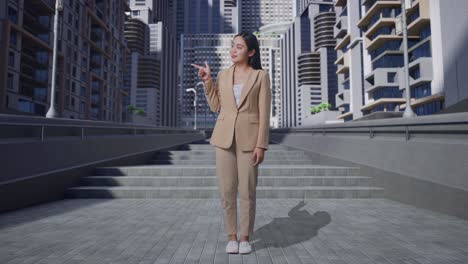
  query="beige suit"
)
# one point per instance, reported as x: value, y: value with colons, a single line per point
x: 250, y: 120
x: 238, y: 130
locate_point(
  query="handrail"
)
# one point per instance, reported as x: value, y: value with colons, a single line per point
x: 9, y: 130
x: 429, y: 125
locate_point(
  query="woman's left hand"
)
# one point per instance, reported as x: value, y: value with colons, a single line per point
x: 258, y: 155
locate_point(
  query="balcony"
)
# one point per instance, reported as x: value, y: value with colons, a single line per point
x: 383, y: 104
x: 380, y: 40
x: 343, y: 64
x: 375, y: 10
x: 343, y: 43
x: 341, y: 28
x: 421, y: 71
x: 418, y: 17
x: 382, y: 22
x: 342, y: 98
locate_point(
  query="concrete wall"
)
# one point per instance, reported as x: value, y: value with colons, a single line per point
x: 35, y: 171
x: 428, y: 170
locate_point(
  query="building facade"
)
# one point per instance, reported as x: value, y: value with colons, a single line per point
x: 350, y: 55
x: 90, y: 62
x: 142, y: 78
x: 157, y: 86
x: 434, y: 49
x: 254, y: 14
x: 308, y: 72
x: 212, y: 16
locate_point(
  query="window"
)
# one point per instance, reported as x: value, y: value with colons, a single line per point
x: 13, y: 39
x: 386, y: 92
x: 388, y: 61
x: 12, y: 15
x: 83, y: 91
x: 422, y: 51
x: 391, y: 77
x: 421, y: 90
x: 25, y: 106
x: 415, y: 72
x: 10, y: 81
x: 11, y: 59
x: 429, y: 108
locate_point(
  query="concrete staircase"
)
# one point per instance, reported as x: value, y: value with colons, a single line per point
x: 190, y: 172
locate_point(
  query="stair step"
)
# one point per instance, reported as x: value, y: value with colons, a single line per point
x: 213, y: 161
x: 210, y: 170
x: 208, y: 146
x: 189, y: 155
x: 190, y: 172
x: 213, y: 181
x: 212, y: 151
x: 213, y: 192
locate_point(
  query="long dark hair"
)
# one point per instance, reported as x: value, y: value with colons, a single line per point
x: 252, y: 44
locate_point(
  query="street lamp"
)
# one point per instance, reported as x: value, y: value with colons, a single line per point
x: 408, y: 110
x: 194, y: 104
x: 201, y: 83
x: 51, y: 113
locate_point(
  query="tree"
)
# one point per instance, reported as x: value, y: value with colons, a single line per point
x: 319, y: 108
x: 136, y: 110
x: 324, y: 106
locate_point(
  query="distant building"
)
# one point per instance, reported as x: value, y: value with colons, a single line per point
x: 308, y: 70
x: 214, y: 48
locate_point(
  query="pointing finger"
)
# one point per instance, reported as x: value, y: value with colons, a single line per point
x: 197, y: 66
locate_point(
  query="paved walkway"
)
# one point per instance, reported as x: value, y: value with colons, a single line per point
x: 190, y: 231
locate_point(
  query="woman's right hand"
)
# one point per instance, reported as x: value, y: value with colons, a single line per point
x: 203, y: 72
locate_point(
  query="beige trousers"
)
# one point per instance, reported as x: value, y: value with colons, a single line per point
x: 235, y: 172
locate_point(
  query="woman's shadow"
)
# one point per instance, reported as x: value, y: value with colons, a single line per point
x: 285, y: 231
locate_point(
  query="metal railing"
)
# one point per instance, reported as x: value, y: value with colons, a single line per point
x: 11, y: 131
x: 427, y: 126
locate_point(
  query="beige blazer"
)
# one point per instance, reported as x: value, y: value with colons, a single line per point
x: 250, y: 120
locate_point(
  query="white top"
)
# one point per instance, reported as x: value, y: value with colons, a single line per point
x: 237, y: 91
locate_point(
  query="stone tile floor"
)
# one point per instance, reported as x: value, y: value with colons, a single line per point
x: 144, y: 231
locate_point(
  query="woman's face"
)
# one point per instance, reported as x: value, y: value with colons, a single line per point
x: 239, y: 51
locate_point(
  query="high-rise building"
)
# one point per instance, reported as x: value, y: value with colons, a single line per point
x: 436, y: 37
x: 142, y: 75
x: 350, y: 50
x: 254, y: 14
x: 159, y: 64
x: 207, y: 16
x: 308, y: 69
x: 90, y: 62
x: 214, y: 48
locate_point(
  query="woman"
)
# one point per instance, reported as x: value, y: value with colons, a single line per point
x: 242, y: 95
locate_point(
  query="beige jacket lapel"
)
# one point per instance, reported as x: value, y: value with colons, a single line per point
x: 246, y: 88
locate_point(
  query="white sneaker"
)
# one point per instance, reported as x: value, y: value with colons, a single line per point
x: 245, y: 247
x: 232, y: 247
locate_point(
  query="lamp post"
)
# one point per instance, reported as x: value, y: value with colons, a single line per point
x: 201, y: 83
x: 52, y: 113
x: 408, y: 110
x: 195, y: 105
